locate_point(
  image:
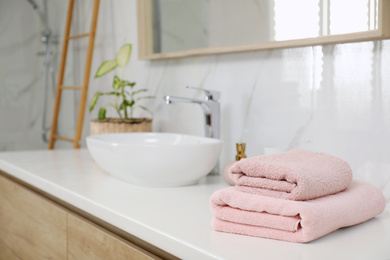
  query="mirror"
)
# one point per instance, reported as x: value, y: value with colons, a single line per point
x: 180, y: 28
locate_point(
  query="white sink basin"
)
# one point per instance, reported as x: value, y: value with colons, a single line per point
x: 155, y: 159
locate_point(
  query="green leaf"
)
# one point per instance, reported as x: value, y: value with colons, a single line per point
x: 122, y: 106
x: 106, y: 67
x: 94, y: 100
x: 127, y: 83
x: 117, y: 83
x: 112, y: 93
x: 123, y: 55
x: 102, y: 113
x: 146, y: 97
x: 138, y: 91
x: 128, y: 103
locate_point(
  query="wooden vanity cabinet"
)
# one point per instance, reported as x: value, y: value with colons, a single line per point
x: 88, y: 241
x: 31, y: 226
x: 35, y: 227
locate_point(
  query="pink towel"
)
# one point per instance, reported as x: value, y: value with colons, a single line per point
x: 296, y: 221
x: 293, y: 175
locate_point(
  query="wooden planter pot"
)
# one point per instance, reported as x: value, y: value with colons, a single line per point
x: 117, y: 125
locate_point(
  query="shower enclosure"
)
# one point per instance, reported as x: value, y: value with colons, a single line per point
x: 48, y: 39
x: 30, y: 46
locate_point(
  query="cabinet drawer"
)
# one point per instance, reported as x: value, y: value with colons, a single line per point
x: 89, y: 241
x: 6, y: 253
x: 31, y: 226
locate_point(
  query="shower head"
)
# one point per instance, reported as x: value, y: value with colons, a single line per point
x: 43, y: 14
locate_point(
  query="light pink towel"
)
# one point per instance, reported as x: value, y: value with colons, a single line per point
x: 295, y: 221
x: 293, y: 175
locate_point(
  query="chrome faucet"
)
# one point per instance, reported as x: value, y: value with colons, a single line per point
x: 210, y: 107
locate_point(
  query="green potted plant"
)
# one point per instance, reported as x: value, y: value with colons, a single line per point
x: 125, y: 99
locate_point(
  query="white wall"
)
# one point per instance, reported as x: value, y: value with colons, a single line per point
x: 333, y: 99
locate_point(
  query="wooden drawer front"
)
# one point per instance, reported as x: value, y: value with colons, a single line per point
x: 31, y: 226
x: 88, y: 241
x: 6, y: 253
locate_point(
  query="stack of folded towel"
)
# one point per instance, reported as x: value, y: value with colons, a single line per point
x: 295, y: 196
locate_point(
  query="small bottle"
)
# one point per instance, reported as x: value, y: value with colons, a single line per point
x: 240, y: 154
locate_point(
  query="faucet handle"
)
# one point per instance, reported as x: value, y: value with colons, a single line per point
x: 210, y: 94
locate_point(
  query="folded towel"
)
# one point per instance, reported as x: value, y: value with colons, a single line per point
x: 295, y: 221
x: 293, y: 175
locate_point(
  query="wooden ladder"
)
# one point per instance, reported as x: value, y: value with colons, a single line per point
x: 87, y: 70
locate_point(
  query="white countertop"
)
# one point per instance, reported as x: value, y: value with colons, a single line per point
x: 177, y: 219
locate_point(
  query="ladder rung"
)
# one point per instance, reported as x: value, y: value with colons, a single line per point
x: 64, y: 138
x: 71, y: 87
x: 61, y: 74
x: 78, y: 36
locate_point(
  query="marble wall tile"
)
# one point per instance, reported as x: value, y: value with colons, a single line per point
x: 23, y: 72
x: 332, y: 98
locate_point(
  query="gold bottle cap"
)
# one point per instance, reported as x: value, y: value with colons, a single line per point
x: 240, y: 151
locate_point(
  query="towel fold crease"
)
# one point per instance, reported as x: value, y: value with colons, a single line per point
x: 293, y: 175
x: 296, y: 221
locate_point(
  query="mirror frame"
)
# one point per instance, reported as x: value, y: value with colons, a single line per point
x: 145, y: 41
